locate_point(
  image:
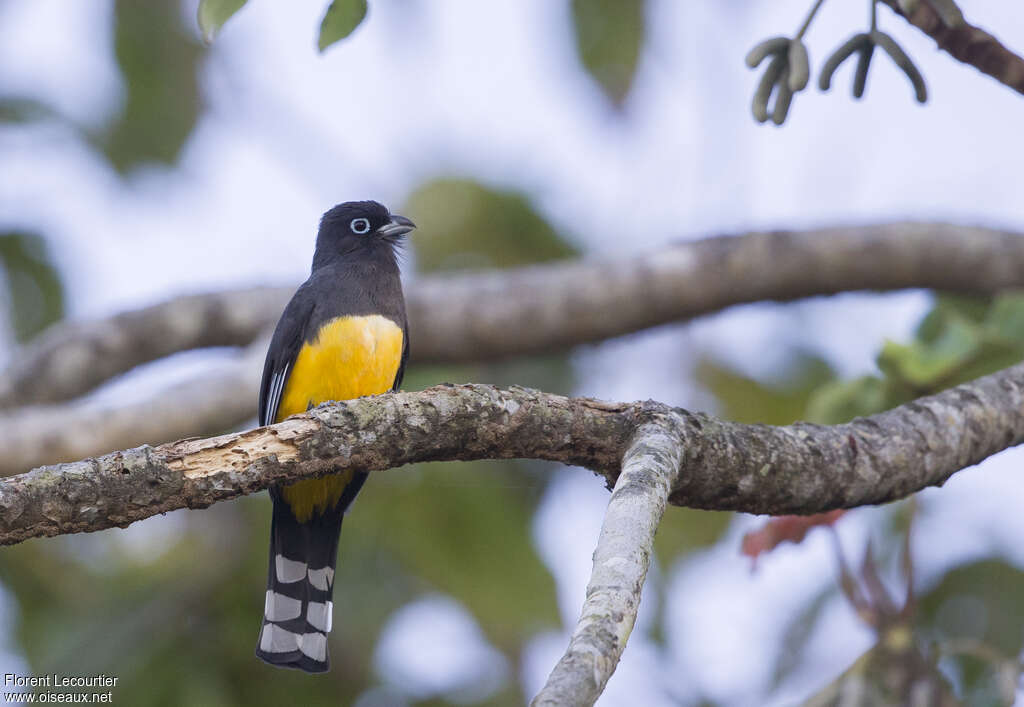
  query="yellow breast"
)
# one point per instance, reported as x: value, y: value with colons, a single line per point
x: 350, y: 357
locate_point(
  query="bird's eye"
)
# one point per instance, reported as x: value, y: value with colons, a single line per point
x: 360, y: 225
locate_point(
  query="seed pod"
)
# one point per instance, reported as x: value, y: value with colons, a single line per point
x: 759, y: 107
x: 860, y: 78
x: 774, y: 45
x: 903, y: 61
x: 838, y: 57
x: 799, y: 66
x: 783, y: 98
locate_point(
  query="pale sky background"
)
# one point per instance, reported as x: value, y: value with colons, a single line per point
x: 493, y: 91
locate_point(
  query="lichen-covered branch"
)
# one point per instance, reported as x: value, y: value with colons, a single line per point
x: 799, y: 468
x: 968, y: 44
x: 441, y: 423
x: 545, y: 308
x: 649, y: 470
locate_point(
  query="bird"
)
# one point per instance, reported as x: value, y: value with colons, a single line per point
x: 343, y: 335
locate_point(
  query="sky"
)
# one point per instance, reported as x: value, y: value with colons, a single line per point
x: 493, y: 91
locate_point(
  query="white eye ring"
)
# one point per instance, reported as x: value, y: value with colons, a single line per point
x: 360, y: 225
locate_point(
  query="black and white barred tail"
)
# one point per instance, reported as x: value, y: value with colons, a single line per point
x: 300, y: 582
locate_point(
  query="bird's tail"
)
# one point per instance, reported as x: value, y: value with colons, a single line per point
x: 300, y: 584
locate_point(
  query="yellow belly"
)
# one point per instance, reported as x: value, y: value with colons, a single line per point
x: 351, y: 357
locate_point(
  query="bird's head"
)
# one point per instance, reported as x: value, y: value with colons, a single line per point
x: 359, y: 227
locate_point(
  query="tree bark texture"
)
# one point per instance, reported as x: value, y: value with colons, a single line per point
x: 650, y: 467
x: 800, y: 468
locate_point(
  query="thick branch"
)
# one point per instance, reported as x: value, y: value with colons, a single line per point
x: 968, y: 44
x: 210, y: 404
x: 800, y: 468
x: 545, y: 308
x: 650, y: 468
x: 73, y: 357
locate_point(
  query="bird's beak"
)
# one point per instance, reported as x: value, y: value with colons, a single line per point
x: 397, y: 226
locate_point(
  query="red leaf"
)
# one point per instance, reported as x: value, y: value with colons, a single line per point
x: 784, y: 528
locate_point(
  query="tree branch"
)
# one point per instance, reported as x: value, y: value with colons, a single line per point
x: 650, y: 468
x: 73, y: 357
x: 968, y: 44
x: 545, y: 308
x: 799, y: 468
x: 210, y: 404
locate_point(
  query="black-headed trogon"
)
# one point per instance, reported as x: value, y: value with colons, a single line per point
x: 342, y: 335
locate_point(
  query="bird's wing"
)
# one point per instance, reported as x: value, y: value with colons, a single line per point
x: 284, y: 347
x: 405, y: 357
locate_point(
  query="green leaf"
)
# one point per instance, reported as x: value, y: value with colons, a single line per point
x: 340, y: 20
x: 892, y: 672
x: 841, y: 401
x: 187, y: 601
x: 35, y: 294
x: 683, y: 530
x: 24, y: 110
x: 214, y: 13
x: 978, y: 607
x: 465, y: 225
x: 159, y: 61
x: 609, y: 37
x: 1005, y: 319
x: 926, y: 364
x: 745, y: 399
x: 990, y: 357
x: 464, y: 530
x: 948, y: 306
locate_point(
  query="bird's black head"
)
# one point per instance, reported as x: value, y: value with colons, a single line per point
x: 359, y: 228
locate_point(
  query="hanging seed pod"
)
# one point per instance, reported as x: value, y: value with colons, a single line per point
x: 860, y: 78
x: 787, y: 73
x: 783, y: 99
x: 759, y: 107
x: 844, y: 52
x: 799, y: 66
x: 769, y: 46
x: 900, y: 58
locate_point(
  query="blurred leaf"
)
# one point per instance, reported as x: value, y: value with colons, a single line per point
x: 158, y: 61
x: 981, y: 603
x: 189, y: 605
x: 552, y: 373
x: 962, y: 338
x: 683, y: 530
x: 35, y: 294
x: 990, y: 357
x: 745, y: 399
x: 971, y: 308
x: 1005, y: 318
x: 841, y: 401
x: 609, y: 38
x: 782, y: 529
x: 340, y: 20
x: 465, y: 530
x: 925, y: 363
x: 472, y: 226
x: 893, y: 673
x: 24, y: 110
x: 214, y: 13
